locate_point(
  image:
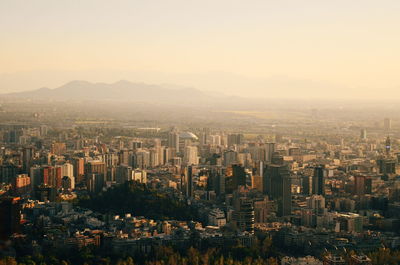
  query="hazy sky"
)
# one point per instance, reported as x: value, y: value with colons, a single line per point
x: 341, y: 46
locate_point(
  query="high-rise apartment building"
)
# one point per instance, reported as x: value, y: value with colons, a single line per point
x: 173, y: 139
x: 190, y: 156
x: 230, y: 157
x: 141, y: 159
x: 79, y: 168
x: 243, y: 214
x: 21, y: 185
x: 235, y: 139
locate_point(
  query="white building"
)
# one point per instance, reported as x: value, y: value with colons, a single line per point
x: 67, y: 170
x: 139, y: 175
x: 190, y: 156
x: 142, y: 159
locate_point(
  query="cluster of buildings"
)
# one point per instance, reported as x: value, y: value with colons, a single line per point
x: 312, y: 195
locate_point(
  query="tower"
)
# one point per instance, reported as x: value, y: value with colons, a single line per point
x: 230, y: 157
x: 306, y: 185
x: 318, y: 181
x: 235, y: 139
x: 243, y: 214
x: 10, y: 216
x: 238, y: 176
x: 190, y: 155
x: 79, y: 168
x: 173, y: 139
x: 359, y: 185
x: 189, y: 181
x: 387, y: 145
x: 363, y: 134
x: 27, y: 157
x: 277, y: 185
x: 269, y: 151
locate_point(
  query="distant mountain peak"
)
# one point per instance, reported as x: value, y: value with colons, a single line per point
x: 77, y: 82
x: 44, y: 89
x: 123, y: 82
x: 121, y: 90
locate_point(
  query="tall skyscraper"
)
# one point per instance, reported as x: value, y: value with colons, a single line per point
x: 204, y: 136
x: 154, y: 157
x: 124, y: 157
x: 95, y: 182
x: 52, y: 176
x: 238, y: 176
x: 27, y: 159
x: 363, y: 134
x: 360, y: 186
x: 122, y: 174
x: 142, y: 159
x: 96, y: 166
x: 166, y: 155
x: 36, y: 176
x: 277, y: 185
x: 10, y: 216
x: 306, y: 185
x: 79, y: 168
x: 190, y: 156
x: 220, y: 183
x: 387, y: 124
x: 95, y: 175
x: 235, y: 139
x: 173, y: 139
x: 189, y: 181
x: 318, y: 181
x: 243, y: 214
x: 316, y: 203
x: 269, y: 151
x: 111, y: 159
x: 387, y: 146
x: 67, y: 169
x: 230, y: 157
x: 8, y: 171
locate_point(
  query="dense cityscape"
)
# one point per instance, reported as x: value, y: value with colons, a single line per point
x: 122, y: 192
x: 212, y: 132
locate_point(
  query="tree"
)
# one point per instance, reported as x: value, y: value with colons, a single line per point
x: 8, y: 261
x: 193, y: 256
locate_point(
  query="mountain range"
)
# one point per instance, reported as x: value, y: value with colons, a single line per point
x: 118, y: 91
